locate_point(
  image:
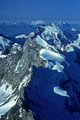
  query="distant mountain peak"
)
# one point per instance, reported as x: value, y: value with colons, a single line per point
x: 37, y: 22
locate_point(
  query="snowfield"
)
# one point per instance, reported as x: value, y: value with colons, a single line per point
x: 6, y: 107
x: 7, y: 98
x: 41, y: 42
x: 4, y: 42
x: 61, y: 92
x: 46, y: 54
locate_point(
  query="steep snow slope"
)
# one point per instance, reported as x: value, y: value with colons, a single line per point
x: 51, y: 32
x: 4, y: 42
x: 46, y: 54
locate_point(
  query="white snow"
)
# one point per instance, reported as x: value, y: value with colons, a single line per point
x: 15, y: 48
x: 73, y: 29
x: 0, y: 52
x: 19, y: 65
x: 58, y: 67
x: 71, y: 49
x: 31, y: 34
x: 20, y: 115
x: 3, y: 56
x: 49, y: 65
x: 60, y: 91
x: 6, y: 88
x: 41, y: 42
x: 21, y: 36
x: 6, y: 107
x: 24, y: 81
x: 6, y: 93
x: 46, y: 54
x: 4, y: 42
x: 37, y: 22
x: 77, y: 42
x: 16, y: 69
x: 51, y: 32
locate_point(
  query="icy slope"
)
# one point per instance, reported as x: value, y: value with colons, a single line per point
x: 4, y: 42
x: 49, y: 55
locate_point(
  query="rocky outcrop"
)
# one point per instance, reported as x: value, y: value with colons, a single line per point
x: 16, y: 71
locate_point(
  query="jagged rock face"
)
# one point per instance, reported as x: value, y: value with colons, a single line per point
x: 8, y: 64
x: 16, y: 71
x: 8, y: 80
x: 17, y: 113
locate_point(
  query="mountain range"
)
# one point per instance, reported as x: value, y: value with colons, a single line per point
x: 40, y: 71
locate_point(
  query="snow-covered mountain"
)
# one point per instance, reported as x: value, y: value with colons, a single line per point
x: 14, y: 28
x: 37, y: 22
x: 4, y: 42
x: 40, y: 80
x: 65, y: 26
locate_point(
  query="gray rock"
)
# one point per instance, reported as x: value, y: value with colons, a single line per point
x: 16, y: 70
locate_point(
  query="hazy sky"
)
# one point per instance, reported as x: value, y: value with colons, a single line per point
x: 50, y: 10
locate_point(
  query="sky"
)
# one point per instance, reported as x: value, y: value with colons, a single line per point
x: 48, y: 10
